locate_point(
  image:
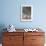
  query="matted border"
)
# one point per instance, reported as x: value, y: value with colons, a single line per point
x: 31, y: 12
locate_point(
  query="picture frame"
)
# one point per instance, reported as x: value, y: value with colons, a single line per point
x: 26, y: 12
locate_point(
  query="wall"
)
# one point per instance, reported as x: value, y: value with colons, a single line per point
x: 10, y: 11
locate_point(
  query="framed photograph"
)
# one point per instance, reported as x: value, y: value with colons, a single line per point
x: 26, y: 12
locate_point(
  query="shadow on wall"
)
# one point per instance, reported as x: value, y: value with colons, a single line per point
x: 2, y: 26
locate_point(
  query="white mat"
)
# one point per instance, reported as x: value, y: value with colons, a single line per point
x: 0, y: 44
